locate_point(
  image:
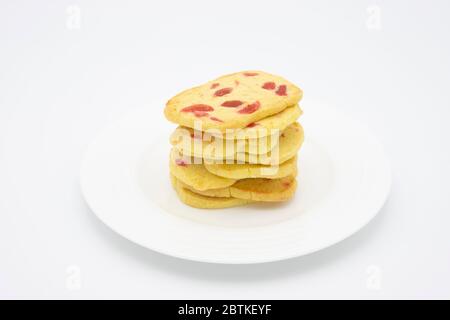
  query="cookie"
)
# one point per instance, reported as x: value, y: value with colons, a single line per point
x: 290, y: 142
x: 204, y: 202
x: 260, y: 189
x: 266, y: 190
x: 263, y: 127
x: 184, y: 138
x: 247, y: 170
x: 220, y: 192
x: 291, y: 139
x: 232, y: 101
x: 195, y: 175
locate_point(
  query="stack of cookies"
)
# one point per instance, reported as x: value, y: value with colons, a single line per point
x: 237, y: 140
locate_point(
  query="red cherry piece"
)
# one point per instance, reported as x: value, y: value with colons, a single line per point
x: 200, y: 114
x: 250, y: 108
x: 269, y: 85
x: 232, y: 103
x: 181, y: 162
x: 222, y: 92
x: 215, y: 119
x: 281, y: 91
x: 251, y: 125
x: 250, y: 74
x: 198, y: 107
x: 215, y: 85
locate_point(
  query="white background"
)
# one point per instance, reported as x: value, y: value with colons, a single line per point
x: 60, y: 83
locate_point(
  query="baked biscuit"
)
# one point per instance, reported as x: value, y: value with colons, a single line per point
x: 263, y: 127
x: 265, y: 190
x: 195, y: 175
x: 184, y: 138
x: 204, y: 202
x: 232, y: 101
x: 290, y: 141
x: 248, y: 170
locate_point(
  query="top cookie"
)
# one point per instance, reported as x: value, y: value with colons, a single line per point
x: 232, y: 101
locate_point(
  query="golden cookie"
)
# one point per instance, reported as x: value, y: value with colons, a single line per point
x: 263, y: 127
x: 290, y: 142
x: 204, y: 202
x: 291, y: 139
x: 260, y: 189
x: 247, y: 170
x: 220, y: 192
x: 195, y: 175
x: 266, y: 190
x: 200, y: 144
x: 232, y: 101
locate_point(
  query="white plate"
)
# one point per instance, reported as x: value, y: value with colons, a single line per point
x: 344, y: 179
